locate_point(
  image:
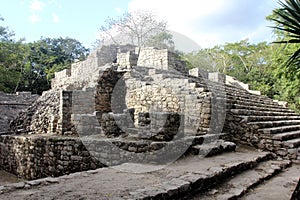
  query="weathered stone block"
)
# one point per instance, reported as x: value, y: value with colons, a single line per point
x: 217, y: 77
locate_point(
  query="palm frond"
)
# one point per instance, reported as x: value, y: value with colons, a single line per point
x: 288, y: 20
x: 294, y: 59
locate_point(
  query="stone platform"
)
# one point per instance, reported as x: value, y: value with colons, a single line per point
x: 183, y: 179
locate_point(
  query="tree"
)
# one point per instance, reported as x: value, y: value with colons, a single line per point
x: 161, y: 40
x: 249, y: 63
x: 12, y: 56
x: 287, y: 30
x: 47, y: 56
x: 30, y: 66
x: 287, y: 19
x: 137, y: 28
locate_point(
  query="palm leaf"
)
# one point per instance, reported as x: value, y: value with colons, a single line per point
x: 288, y: 20
x: 294, y: 59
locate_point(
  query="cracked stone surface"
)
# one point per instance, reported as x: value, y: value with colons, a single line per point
x: 279, y: 187
x: 109, y: 183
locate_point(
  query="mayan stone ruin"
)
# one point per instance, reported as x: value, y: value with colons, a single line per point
x: 125, y: 104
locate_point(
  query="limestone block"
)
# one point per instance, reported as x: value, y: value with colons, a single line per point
x: 217, y: 77
x: 198, y: 72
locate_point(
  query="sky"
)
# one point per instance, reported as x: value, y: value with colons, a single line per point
x: 204, y: 22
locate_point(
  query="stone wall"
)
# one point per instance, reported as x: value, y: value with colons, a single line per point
x: 160, y: 59
x: 164, y: 125
x: 157, y: 90
x: 198, y: 72
x: 40, y: 156
x: 151, y: 98
x: 127, y: 59
x: 11, y: 105
x: 243, y: 133
x: 81, y: 110
x: 41, y: 117
x: 75, y: 107
x: 61, y: 111
x: 110, y: 92
x: 85, y: 73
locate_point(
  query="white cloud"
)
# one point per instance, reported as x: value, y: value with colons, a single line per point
x: 34, y: 18
x: 211, y: 22
x: 119, y: 10
x: 55, y: 3
x: 36, y: 5
x: 22, y: 3
x: 55, y: 18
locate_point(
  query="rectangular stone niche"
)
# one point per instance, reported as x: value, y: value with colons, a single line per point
x: 163, y: 126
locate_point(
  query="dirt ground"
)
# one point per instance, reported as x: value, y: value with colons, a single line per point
x: 6, y: 178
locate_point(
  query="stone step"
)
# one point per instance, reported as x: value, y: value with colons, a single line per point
x: 261, y: 113
x: 280, y: 187
x: 252, y: 118
x: 214, y: 148
x: 181, y: 86
x: 280, y: 129
x: 167, y: 76
x: 233, y: 89
x: 252, y: 103
x: 246, y: 95
x: 287, y: 135
x: 260, y: 108
x: 238, y: 91
x: 237, y: 186
x: 189, y: 184
x: 294, y: 143
x: 203, y: 139
x: 133, y: 143
x: 242, y: 94
x: 269, y: 124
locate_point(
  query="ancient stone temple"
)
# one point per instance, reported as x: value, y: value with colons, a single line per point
x: 142, y: 105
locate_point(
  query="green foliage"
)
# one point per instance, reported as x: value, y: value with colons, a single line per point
x: 161, y: 40
x: 247, y: 62
x: 287, y: 20
x: 260, y: 65
x: 51, y: 55
x: 12, y: 55
x: 273, y: 69
x: 30, y: 66
x: 8, y: 79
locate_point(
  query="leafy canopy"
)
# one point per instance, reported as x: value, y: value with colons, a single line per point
x: 30, y: 66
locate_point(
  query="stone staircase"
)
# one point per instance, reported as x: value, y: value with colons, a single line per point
x: 242, y: 183
x: 277, y: 127
x: 250, y: 118
x: 225, y: 180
